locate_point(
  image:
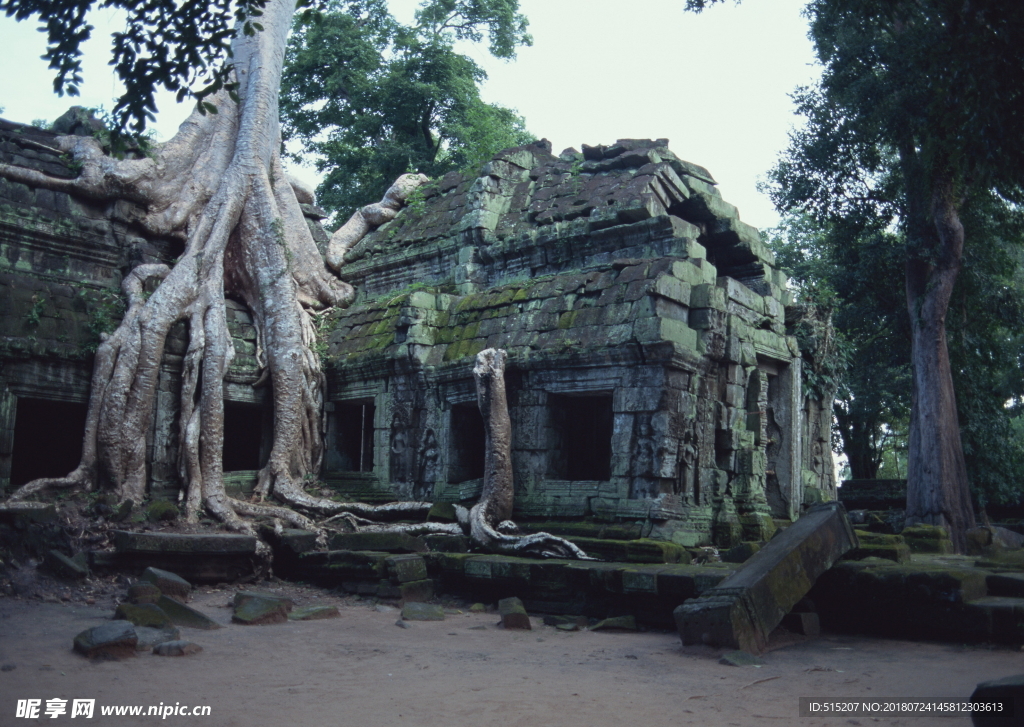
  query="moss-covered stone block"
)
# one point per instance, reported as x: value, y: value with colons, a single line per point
x: 927, y: 539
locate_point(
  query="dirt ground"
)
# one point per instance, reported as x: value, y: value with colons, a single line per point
x: 362, y: 669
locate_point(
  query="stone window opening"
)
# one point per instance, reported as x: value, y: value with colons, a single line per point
x: 583, y: 434
x: 243, y: 437
x: 354, y: 421
x: 47, y: 438
x: 466, y: 444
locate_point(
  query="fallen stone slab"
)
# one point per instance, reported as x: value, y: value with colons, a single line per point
x: 742, y: 610
x: 170, y: 584
x: 616, y: 623
x: 513, y: 614
x: 114, y: 640
x: 416, y: 590
x: 1008, y: 691
x: 256, y: 610
x: 314, y: 613
x: 143, y: 592
x: 183, y: 615
x: 143, y: 614
x: 177, y: 648
x: 416, y: 611
x: 150, y: 637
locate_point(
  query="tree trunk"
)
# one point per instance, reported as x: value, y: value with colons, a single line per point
x: 219, y: 186
x: 937, y: 488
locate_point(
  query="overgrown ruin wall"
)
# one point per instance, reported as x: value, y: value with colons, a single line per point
x: 652, y: 379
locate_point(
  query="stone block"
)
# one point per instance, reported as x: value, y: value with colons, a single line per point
x: 406, y: 568
x: 1005, y: 584
x: 417, y: 611
x: 379, y: 542
x: 129, y: 542
x: 143, y: 592
x: 254, y: 609
x: 1008, y: 692
x: 150, y: 637
x: 422, y: 590
x: 742, y: 610
x: 114, y: 640
x: 513, y: 614
x: 928, y: 539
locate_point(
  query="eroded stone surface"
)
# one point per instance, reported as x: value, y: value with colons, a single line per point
x: 114, y: 640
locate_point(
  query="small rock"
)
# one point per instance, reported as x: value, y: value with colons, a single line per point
x: 63, y: 566
x: 314, y: 613
x: 170, y: 584
x: 567, y: 627
x: 566, y: 623
x: 8, y: 667
x: 415, y: 611
x: 478, y: 608
x: 255, y: 610
x: 513, y: 614
x: 177, y: 648
x: 243, y: 597
x: 740, y: 658
x: 384, y: 608
x: 621, y: 623
x: 402, y: 624
x: 114, y: 640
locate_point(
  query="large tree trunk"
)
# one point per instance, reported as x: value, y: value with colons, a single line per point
x: 219, y: 186
x: 937, y: 488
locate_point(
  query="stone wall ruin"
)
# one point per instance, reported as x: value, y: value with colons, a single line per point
x: 652, y: 379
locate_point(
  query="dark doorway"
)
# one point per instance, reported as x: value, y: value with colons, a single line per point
x: 243, y: 436
x: 467, y: 444
x: 584, y: 427
x: 47, y: 439
x: 355, y: 435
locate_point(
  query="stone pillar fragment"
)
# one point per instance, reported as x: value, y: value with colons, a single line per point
x: 741, y: 611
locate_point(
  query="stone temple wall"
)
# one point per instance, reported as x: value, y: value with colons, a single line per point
x: 652, y: 379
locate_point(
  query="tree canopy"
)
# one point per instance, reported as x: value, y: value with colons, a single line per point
x: 179, y: 46
x: 370, y: 98
x: 919, y: 111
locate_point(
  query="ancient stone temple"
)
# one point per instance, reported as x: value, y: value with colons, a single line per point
x: 654, y: 377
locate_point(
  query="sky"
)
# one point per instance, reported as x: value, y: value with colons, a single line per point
x: 717, y: 85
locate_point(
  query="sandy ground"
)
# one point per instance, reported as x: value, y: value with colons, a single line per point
x: 362, y: 669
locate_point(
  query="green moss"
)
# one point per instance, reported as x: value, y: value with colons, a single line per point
x: 161, y: 510
x: 567, y: 319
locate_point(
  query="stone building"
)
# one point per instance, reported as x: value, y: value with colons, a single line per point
x: 652, y: 378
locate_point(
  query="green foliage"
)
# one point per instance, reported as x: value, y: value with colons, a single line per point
x: 106, y: 308
x: 369, y: 98
x: 181, y: 47
x: 857, y: 272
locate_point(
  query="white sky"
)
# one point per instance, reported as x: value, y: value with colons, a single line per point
x: 716, y: 85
